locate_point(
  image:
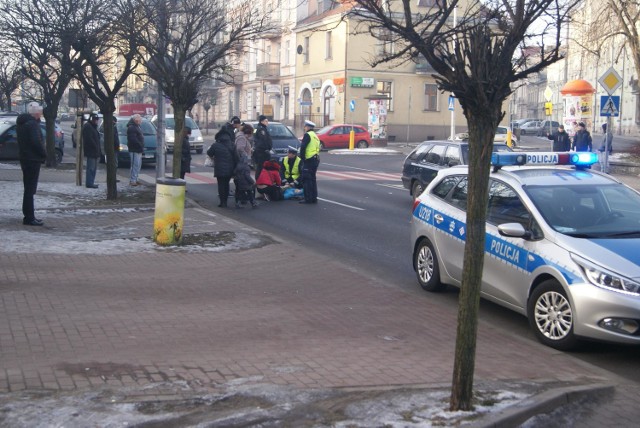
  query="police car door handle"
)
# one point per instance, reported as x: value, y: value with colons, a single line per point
x: 438, y: 218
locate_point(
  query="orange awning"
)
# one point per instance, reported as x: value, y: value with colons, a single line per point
x: 577, y: 87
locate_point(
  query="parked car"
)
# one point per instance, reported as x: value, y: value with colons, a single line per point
x: 150, y: 141
x: 195, y: 140
x: 424, y: 162
x: 501, y: 136
x: 548, y: 127
x: 517, y: 123
x: 337, y: 136
x: 9, y: 139
x: 282, y: 138
x: 532, y: 127
x: 561, y: 245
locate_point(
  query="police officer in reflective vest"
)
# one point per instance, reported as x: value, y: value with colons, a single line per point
x: 309, y: 151
x: 291, y: 169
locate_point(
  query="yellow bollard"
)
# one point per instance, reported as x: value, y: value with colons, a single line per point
x: 352, y: 139
x: 168, y: 223
x: 509, y: 140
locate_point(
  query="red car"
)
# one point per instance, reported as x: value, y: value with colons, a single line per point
x: 337, y: 136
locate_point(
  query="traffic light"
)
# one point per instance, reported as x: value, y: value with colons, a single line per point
x: 548, y: 108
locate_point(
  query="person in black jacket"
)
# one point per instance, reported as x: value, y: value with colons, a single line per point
x: 561, y: 141
x: 262, y: 144
x: 32, y: 154
x: 91, y: 145
x: 185, y: 159
x: 225, y: 158
x: 135, y: 143
x: 582, y: 140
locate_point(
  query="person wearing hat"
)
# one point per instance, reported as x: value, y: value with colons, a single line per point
x: 291, y: 169
x: 309, y: 153
x: 32, y: 154
x: 92, y: 150
x: 262, y: 144
x: 561, y: 140
x: 582, y: 140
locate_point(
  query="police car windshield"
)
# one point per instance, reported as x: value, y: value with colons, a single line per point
x: 611, y: 211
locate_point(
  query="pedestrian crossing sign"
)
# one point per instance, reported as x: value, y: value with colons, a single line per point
x: 610, y: 106
x: 452, y: 101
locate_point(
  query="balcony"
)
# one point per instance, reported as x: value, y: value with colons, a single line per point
x: 423, y: 67
x: 268, y: 70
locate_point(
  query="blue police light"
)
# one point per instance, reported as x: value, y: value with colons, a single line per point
x: 578, y: 159
x: 583, y: 158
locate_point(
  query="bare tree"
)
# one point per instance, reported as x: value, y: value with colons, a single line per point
x: 35, y: 29
x: 626, y: 14
x: 106, y: 43
x: 10, y: 79
x: 190, y: 42
x: 477, y: 58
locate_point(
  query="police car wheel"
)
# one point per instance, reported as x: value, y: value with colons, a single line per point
x: 425, y: 263
x: 362, y: 144
x: 417, y: 189
x: 551, y: 316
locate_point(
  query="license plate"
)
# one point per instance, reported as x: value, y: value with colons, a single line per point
x: 148, y: 155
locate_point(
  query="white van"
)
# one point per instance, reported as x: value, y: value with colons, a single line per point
x: 196, y: 140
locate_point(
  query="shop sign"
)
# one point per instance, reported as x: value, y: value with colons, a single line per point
x: 362, y: 82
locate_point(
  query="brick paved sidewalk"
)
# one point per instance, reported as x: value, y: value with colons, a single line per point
x: 205, y: 319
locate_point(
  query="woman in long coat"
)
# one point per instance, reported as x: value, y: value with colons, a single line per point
x: 225, y: 158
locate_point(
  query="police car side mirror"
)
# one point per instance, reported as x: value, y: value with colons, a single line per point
x: 514, y: 230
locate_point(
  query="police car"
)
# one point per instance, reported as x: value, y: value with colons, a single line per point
x: 562, y: 244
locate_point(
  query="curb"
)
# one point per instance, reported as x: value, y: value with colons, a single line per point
x: 543, y: 403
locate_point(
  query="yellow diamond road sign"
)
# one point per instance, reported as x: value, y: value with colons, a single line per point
x: 610, y: 80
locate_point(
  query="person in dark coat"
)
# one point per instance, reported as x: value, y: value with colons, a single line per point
x: 262, y: 144
x: 185, y: 159
x: 245, y: 184
x: 32, y: 155
x: 135, y: 143
x: 561, y: 140
x: 92, y: 150
x: 225, y: 157
x: 582, y: 140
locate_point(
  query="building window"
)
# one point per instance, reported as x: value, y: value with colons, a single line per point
x: 426, y: 3
x: 430, y: 97
x: 306, y: 50
x: 385, y: 44
x: 328, y: 48
x: 287, y: 52
x: 385, y: 87
x: 267, y: 54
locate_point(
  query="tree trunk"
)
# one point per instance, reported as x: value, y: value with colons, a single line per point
x: 50, y: 143
x: 178, y: 116
x: 110, y: 154
x: 482, y: 133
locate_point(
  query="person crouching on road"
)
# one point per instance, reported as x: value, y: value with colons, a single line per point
x: 32, y: 155
x: 561, y: 140
x: 309, y: 153
x: 291, y: 169
x: 135, y: 143
x: 269, y: 182
x: 185, y: 159
x: 245, y: 183
x: 92, y: 151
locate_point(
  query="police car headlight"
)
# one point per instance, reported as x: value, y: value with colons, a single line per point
x: 606, y: 279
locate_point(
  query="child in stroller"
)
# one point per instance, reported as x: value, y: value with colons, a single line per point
x: 245, y: 184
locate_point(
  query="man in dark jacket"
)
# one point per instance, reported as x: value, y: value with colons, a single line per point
x: 262, y: 144
x: 225, y: 158
x: 135, y: 143
x: 92, y: 151
x: 561, y: 141
x: 32, y: 154
x: 582, y: 140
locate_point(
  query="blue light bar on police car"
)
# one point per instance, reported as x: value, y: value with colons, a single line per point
x: 579, y: 159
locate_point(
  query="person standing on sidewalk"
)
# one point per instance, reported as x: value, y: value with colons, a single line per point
x: 91, y: 145
x: 135, y: 143
x: 185, y: 159
x: 243, y: 140
x: 262, y: 144
x: 309, y: 153
x: 582, y: 140
x: 561, y: 140
x: 225, y: 158
x: 32, y: 155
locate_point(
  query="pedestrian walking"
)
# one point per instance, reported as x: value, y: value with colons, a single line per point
x: 262, y: 144
x: 92, y: 150
x: 244, y: 182
x: 32, y: 155
x: 582, y: 140
x: 561, y: 140
x: 243, y: 140
x: 309, y: 153
x: 135, y: 143
x: 225, y: 158
x: 185, y: 159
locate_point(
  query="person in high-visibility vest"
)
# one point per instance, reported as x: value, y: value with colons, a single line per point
x: 309, y: 153
x: 291, y: 169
